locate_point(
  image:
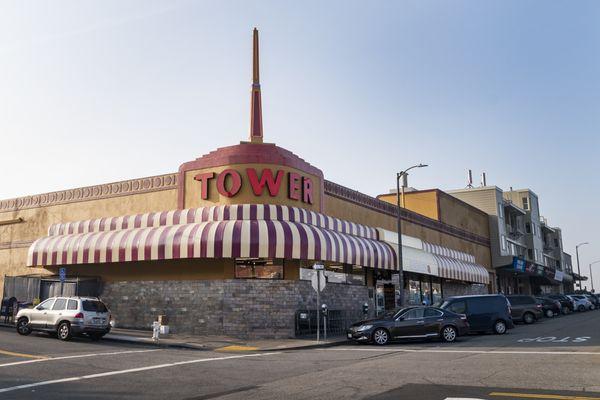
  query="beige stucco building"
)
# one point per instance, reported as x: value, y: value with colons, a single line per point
x: 226, y: 244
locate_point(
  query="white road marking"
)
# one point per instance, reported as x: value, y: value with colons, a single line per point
x: 75, y: 356
x: 128, y: 371
x: 587, y: 353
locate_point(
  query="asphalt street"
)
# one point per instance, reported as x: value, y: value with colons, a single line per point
x: 554, y: 359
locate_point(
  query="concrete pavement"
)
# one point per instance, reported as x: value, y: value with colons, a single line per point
x: 559, y: 357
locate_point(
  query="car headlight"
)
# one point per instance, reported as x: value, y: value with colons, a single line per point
x: 364, y: 327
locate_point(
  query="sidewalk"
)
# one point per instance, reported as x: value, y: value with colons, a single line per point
x: 219, y: 343
x: 213, y: 343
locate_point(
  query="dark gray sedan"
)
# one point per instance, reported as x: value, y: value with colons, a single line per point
x: 410, y: 323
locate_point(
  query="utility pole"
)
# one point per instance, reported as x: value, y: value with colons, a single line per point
x: 400, y: 266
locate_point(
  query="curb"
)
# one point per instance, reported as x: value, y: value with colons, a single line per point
x: 201, y: 347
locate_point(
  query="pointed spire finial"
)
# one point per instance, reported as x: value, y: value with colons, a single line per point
x: 256, y: 128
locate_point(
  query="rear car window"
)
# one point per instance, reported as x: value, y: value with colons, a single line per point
x: 459, y: 307
x: 521, y: 300
x: 430, y: 312
x: 59, y: 304
x: 72, y: 305
x: 93, y: 305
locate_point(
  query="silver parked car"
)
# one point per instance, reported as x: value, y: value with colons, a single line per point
x: 581, y: 302
x: 66, y: 316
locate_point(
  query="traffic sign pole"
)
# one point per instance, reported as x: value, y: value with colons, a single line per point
x: 318, y: 268
x: 318, y: 302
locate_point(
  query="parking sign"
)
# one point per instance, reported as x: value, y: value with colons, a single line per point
x: 62, y: 274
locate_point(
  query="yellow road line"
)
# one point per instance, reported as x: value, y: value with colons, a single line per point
x: 237, y: 348
x: 541, y: 396
x: 10, y: 353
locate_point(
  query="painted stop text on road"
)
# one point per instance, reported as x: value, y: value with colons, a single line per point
x: 554, y: 339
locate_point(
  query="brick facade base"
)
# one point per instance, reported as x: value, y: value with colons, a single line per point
x: 237, y: 307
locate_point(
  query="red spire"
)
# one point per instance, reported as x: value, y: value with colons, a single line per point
x: 256, y: 128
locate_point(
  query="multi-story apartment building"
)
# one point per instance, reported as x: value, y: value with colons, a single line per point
x: 527, y: 253
x: 569, y: 281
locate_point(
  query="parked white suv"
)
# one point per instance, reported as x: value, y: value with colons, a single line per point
x: 66, y: 316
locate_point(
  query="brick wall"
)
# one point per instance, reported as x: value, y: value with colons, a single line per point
x: 235, y: 307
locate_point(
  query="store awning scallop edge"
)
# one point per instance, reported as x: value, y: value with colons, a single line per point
x: 213, y: 232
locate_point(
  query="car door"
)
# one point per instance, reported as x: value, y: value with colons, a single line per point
x: 460, y: 307
x: 410, y: 324
x: 55, y: 315
x: 39, y: 314
x: 481, y: 311
x: 434, y: 320
x: 516, y: 307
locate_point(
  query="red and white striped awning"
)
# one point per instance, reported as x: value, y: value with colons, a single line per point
x: 453, y: 268
x: 236, y: 231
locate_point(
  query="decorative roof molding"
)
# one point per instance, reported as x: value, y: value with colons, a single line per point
x: 361, y: 199
x: 17, y: 244
x: 96, y: 192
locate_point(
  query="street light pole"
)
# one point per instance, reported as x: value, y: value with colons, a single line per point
x: 399, y: 176
x: 591, y: 276
x: 577, y: 255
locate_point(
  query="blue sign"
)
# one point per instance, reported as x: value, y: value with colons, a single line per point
x: 62, y: 274
x: 519, y: 264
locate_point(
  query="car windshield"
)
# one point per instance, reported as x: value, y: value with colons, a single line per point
x: 93, y: 305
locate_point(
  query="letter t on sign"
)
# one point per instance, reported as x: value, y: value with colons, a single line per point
x: 204, y: 178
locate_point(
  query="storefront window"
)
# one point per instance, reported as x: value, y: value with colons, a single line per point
x: 356, y: 275
x: 414, y: 292
x: 258, y: 269
x: 426, y: 290
x: 436, y: 291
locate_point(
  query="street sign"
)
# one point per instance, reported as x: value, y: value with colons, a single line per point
x: 318, y: 282
x: 62, y: 274
x: 318, y: 267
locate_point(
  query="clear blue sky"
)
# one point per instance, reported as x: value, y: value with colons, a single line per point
x: 94, y: 92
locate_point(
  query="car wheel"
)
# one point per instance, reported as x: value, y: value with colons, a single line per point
x: 592, y: 307
x: 449, y: 334
x: 381, y: 336
x: 64, y: 331
x: 549, y: 313
x: 500, y: 327
x: 23, y: 327
x: 528, y: 318
x: 581, y: 308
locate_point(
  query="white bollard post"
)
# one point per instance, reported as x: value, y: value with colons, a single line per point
x: 155, y: 330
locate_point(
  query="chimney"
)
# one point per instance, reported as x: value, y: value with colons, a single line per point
x: 470, y: 179
x: 483, y: 179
